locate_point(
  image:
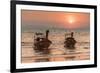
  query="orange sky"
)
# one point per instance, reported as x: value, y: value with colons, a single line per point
x: 68, y: 20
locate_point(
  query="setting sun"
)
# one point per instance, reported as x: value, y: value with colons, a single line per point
x: 71, y: 19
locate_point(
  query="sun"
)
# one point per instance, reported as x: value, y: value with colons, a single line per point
x: 71, y: 19
x: 71, y: 22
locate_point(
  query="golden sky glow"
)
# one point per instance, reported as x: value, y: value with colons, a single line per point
x: 68, y: 20
x: 77, y: 20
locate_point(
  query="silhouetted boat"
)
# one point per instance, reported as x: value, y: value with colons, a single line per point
x: 42, y: 43
x: 70, y: 42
